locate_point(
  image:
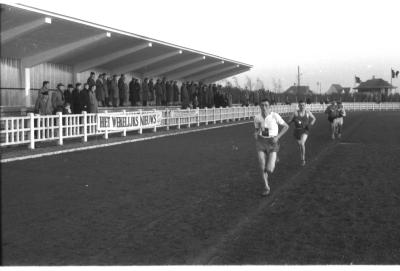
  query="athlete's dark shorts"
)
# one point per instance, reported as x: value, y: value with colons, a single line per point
x: 298, y: 132
x: 267, y: 145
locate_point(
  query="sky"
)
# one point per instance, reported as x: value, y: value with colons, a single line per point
x: 331, y: 40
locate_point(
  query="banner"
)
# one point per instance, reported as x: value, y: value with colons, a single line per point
x: 128, y: 121
x: 184, y: 113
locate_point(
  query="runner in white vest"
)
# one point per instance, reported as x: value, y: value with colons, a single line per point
x: 267, y: 137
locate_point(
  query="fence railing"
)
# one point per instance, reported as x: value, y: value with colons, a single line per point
x: 32, y: 129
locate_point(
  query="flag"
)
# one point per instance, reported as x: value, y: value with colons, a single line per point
x: 358, y: 80
x: 393, y: 73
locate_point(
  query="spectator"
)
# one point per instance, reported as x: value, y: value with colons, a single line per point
x: 92, y: 101
x: 184, y: 96
x: 210, y: 96
x: 83, y: 98
x: 68, y: 94
x: 159, y: 92
x: 152, y: 94
x: 195, y: 102
x: 132, y: 92
x: 67, y: 109
x: 137, y: 92
x: 57, y: 99
x: 145, y: 91
x: 90, y: 80
x: 43, y: 104
x: 170, y: 93
x: 176, y: 93
x: 164, y: 92
x: 114, y: 91
x: 121, y: 88
x: 100, y: 90
x: 45, y: 87
x: 106, y: 91
x: 75, y: 103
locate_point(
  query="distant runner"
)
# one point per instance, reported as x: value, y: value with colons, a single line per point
x: 302, y: 118
x: 333, y: 114
x: 267, y: 137
x: 339, y: 119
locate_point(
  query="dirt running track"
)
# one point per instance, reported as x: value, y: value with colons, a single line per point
x: 195, y: 199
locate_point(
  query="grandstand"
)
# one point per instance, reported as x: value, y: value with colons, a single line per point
x: 38, y: 45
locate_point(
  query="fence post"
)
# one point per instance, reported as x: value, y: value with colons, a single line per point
x: 167, y: 114
x: 155, y: 126
x: 214, y: 121
x: 60, y: 128
x: 32, y: 133
x: 205, y: 109
x: 198, y: 117
x: 124, y: 131
x: 106, y: 131
x: 140, y: 123
x: 84, y: 126
x: 220, y: 115
x: 189, y: 118
x: 179, y: 118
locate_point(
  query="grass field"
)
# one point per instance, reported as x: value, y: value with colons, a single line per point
x: 195, y: 199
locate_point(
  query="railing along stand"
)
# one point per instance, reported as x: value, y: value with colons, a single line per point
x: 84, y: 126
x: 32, y: 132
x: 60, y: 129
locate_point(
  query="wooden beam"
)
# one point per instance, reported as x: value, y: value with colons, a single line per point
x: 95, y: 62
x: 201, y: 76
x: 163, y: 70
x: 144, y: 63
x: 183, y: 74
x: 50, y: 54
x: 18, y: 31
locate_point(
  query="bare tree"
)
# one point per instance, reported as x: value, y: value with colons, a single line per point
x: 235, y: 81
x: 249, y: 83
x: 259, y: 84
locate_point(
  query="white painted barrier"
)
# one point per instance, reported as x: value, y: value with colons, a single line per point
x: 31, y: 129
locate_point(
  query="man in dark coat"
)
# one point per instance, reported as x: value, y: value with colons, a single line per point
x: 68, y: 94
x: 91, y: 80
x: 164, y: 92
x: 184, y: 96
x: 159, y: 92
x: 84, y: 98
x: 75, y: 101
x: 131, y: 92
x: 152, y: 94
x: 177, y: 95
x: 114, y: 91
x: 170, y: 93
x: 100, y: 90
x: 137, y: 90
x: 121, y: 82
x: 145, y: 91
x: 106, y: 91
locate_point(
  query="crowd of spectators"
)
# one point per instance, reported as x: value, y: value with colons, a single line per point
x: 107, y: 91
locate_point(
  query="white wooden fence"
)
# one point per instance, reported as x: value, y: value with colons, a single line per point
x: 35, y: 128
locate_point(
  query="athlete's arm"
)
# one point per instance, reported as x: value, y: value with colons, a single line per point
x: 285, y: 126
x: 313, y: 119
x: 291, y: 118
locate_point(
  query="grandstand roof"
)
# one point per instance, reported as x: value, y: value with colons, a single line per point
x: 36, y: 36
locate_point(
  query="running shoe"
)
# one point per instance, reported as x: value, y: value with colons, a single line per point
x: 265, y: 192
